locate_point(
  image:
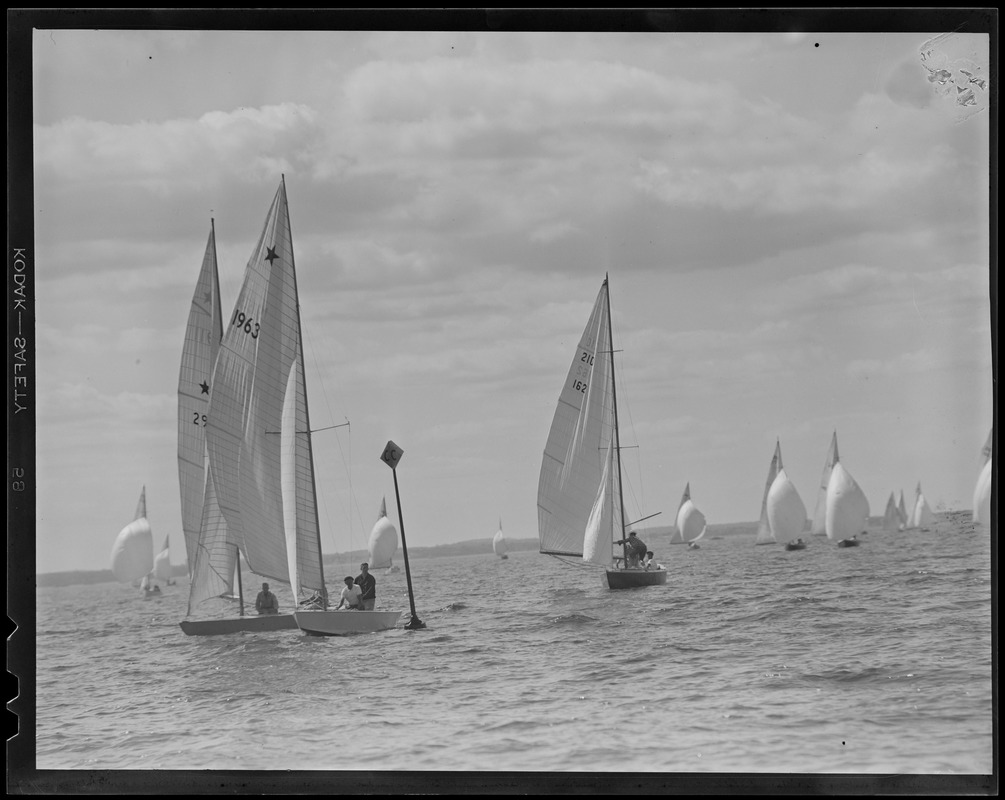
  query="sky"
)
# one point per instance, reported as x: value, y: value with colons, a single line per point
x: 795, y: 226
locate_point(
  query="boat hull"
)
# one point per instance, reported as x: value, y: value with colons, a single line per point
x: 795, y: 546
x: 345, y: 623
x: 848, y: 543
x: 218, y: 627
x: 635, y: 578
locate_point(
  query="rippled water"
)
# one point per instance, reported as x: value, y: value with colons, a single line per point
x: 876, y: 659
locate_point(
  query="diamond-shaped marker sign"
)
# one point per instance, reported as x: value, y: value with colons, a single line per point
x: 392, y: 454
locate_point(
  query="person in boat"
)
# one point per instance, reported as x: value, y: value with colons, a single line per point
x: 368, y: 584
x: 266, y: 602
x: 351, y: 596
x: 647, y: 562
x: 635, y: 549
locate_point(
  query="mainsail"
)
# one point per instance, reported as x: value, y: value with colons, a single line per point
x: 982, y: 490
x: 847, y: 507
x: 764, y: 535
x: 820, y: 511
x: 891, y: 517
x: 257, y: 430
x: 785, y: 508
x: 162, y: 562
x: 383, y: 540
x: 575, y: 471
x: 211, y: 550
x: 921, y: 514
x: 133, y: 550
x: 499, y: 542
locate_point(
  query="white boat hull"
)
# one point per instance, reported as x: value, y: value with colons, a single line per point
x: 345, y: 623
x: 253, y: 624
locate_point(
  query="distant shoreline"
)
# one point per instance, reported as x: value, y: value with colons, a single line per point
x: 466, y: 548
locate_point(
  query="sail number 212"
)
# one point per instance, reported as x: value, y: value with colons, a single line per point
x: 245, y: 322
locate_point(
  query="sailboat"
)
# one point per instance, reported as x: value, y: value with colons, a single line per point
x: 580, y: 507
x: 162, y: 563
x: 921, y: 514
x: 818, y: 526
x: 690, y: 521
x: 383, y: 542
x: 847, y: 508
x: 982, y: 491
x: 764, y: 535
x: 786, y: 510
x: 902, y: 511
x: 133, y: 550
x: 499, y: 543
x: 891, y: 517
x: 213, y: 552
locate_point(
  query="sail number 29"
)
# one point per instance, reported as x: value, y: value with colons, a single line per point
x: 245, y: 322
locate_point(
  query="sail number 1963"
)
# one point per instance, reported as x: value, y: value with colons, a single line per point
x: 245, y: 322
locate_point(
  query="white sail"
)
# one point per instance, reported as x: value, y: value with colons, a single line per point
x: 902, y: 511
x: 847, y: 512
x: 690, y: 521
x: 675, y: 534
x: 597, y: 542
x: 162, y: 562
x: 786, y: 510
x: 574, y: 468
x: 202, y: 342
x: 499, y: 542
x: 211, y: 550
x: 820, y: 510
x: 891, y: 517
x: 133, y: 549
x: 383, y: 541
x: 921, y: 514
x: 258, y: 405
x: 982, y: 495
x: 764, y: 535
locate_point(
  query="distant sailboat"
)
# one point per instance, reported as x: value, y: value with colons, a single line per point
x: 921, y: 514
x: 580, y: 505
x: 764, y: 535
x: 847, y: 513
x: 676, y: 537
x: 785, y: 509
x: 383, y: 543
x: 982, y: 491
x: 162, y: 563
x: 133, y: 550
x: 690, y: 521
x: 891, y: 517
x: 499, y: 543
x: 902, y: 511
x: 818, y: 526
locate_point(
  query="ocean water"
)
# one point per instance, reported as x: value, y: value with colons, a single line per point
x: 874, y: 660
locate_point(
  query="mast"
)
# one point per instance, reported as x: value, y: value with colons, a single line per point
x: 614, y: 403
x: 307, y: 415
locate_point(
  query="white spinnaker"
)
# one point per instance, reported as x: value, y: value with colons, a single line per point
x: 383, y: 541
x: 575, y: 455
x: 847, y: 507
x: 786, y: 510
x: 162, y: 562
x: 690, y: 522
x: 499, y: 542
x: 133, y: 550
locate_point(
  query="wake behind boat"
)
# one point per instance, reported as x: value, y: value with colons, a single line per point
x: 580, y: 506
